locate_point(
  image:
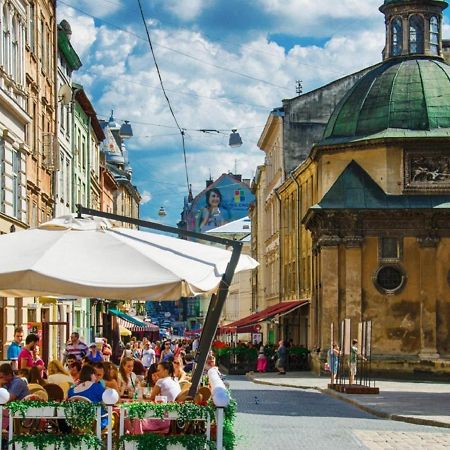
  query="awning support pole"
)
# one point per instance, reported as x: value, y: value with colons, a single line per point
x: 212, y: 319
x: 217, y: 300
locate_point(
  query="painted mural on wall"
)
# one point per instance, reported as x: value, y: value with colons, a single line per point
x: 224, y: 201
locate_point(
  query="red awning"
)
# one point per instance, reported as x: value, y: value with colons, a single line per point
x: 250, y: 323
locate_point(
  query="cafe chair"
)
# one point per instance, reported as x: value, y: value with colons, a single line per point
x: 55, y: 392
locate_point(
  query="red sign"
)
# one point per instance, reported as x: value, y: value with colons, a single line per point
x: 258, y: 328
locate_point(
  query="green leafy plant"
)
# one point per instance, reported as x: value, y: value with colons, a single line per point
x: 161, y: 442
x: 229, y: 435
x: 79, y: 415
x: 185, y: 411
x: 21, y: 407
x: 43, y: 441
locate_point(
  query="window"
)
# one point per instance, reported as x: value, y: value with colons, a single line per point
x: 390, y: 249
x: 5, y: 39
x: 434, y: 35
x: 15, y: 52
x: 389, y: 279
x: 17, y: 204
x: 416, y: 44
x: 31, y: 29
x: 396, y: 37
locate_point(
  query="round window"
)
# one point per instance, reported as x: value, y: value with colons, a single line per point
x: 389, y: 279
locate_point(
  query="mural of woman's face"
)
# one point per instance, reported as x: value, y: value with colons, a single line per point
x: 214, y: 199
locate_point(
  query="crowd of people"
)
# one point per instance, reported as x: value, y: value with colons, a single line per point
x: 151, y: 370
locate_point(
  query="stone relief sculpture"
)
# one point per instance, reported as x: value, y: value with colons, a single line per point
x: 427, y: 172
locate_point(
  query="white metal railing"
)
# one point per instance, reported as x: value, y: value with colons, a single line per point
x: 220, y: 397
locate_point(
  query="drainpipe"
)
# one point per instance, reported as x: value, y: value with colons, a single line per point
x: 280, y: 248
x: 55, y: 94
x: 88, y: 163
x: 299, y: 237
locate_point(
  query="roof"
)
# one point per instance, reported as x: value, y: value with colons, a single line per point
x: 355, y: 189
x: 389, y: 2
x: 65, y: 47
x: 247, y: 324
x: 132, y: 323
x: 239, y: 226
x: 407, y: 97
x: 86, y: 105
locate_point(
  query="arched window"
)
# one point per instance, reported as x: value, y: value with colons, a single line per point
x: 416, y: 34
x: 434, y: 35
x: 396, y: 37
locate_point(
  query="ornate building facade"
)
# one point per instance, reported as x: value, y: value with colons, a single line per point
x: 376, y: 204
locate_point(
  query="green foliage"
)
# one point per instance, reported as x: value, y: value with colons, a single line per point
x: 80, y: 415
x: 297, y: 351
x: 229, y: 435
x: 186, y: 411
x: 21, y: 407
x: 43, y: 441
x: 161, y: 442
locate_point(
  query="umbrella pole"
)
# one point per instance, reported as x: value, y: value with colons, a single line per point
x: 212, y: 318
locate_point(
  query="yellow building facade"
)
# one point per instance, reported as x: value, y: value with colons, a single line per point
x: 364, y: 228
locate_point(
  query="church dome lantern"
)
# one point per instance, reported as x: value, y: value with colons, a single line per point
x: 413, y: 28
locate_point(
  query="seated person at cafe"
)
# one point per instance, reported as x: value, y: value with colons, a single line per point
x: 127, y: 378
x: 70, y: 359
x: 17, y: 388
x: 178, y: 370
x: 57, y: 374
x: 75, y: 370
x: 167, y: 386
x: 88, y: 387
x: 152, y: 376
x: 34, y: 377
x: 99, y: 369
x: 111, y: 376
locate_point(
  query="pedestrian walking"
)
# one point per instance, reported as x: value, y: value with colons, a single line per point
x: 261, y: 364
x: 76, y: 347
x: 281, y: 354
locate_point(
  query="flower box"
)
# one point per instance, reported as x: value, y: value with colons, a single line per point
x: 60, y: 412
x: 133, y: 445
x: 45, y: 411
x: 28, y: 446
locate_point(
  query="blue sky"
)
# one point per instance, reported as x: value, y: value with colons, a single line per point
x: 225, y: 65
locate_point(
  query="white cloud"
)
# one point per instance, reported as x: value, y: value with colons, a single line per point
x: 146, y: 197
x: 186, y: 10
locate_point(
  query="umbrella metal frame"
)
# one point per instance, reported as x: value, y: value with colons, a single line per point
x: 217, y: 299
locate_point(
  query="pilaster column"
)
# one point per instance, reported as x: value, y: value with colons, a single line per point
x: 329, y: 281
x: 353, y: 280
x: 427, y: 295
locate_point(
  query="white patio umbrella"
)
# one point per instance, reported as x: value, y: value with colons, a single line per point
x: 89, y: 257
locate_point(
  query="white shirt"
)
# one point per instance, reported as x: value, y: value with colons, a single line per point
x: 132, y: 382
x: 169, y: 387
x: 148, y: 357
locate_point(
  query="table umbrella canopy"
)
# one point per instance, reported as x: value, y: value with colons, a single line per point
x: 89, y: 257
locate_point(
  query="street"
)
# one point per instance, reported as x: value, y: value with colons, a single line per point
x: 271, y: 417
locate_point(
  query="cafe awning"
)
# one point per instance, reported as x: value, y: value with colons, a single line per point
x: 131, y: 323
x: 251, y: 323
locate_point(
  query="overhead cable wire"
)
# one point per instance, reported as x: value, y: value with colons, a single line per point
x: 187, y: 55
x: 181, y: 130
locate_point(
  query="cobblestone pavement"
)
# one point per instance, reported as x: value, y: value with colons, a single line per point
x: 272, y: 418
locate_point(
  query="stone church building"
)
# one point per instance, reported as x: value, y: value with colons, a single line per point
x: 365, y: 217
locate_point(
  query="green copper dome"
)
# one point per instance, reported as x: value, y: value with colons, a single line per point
x: 399, y: 98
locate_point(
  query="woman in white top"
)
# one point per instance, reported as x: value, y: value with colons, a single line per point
x: 166, y: 384
x: 127, y: 378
